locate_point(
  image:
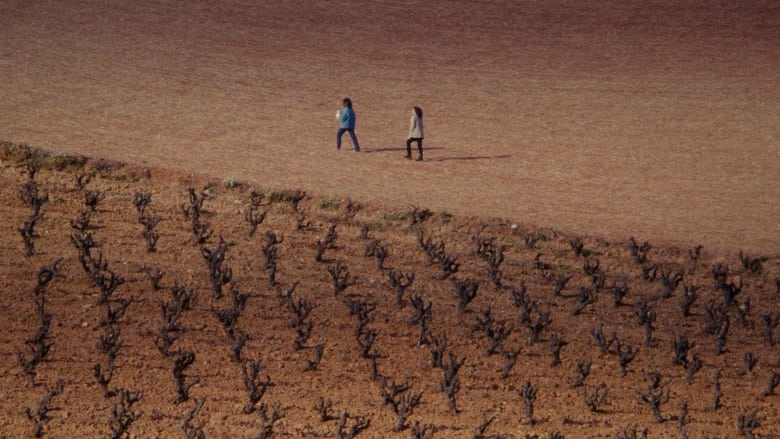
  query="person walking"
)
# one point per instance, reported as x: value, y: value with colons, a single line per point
x: 415, y: 133
x: 346, y: 119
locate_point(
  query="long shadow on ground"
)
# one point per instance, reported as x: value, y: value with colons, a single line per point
x: 484, y: 157
x: 401, y: 149
x: 435, y: 159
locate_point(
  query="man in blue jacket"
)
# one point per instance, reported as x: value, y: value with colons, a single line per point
x: 346, y: 119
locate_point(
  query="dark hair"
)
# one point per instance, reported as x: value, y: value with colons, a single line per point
x: 348, y: 102
x: 418, y: 112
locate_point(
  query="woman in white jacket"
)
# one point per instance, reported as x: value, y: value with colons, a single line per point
x: 415, y: 133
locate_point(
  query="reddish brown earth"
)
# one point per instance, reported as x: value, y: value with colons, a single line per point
x: 598, y: 121
x: 602, y: 118
x: 533, y: 259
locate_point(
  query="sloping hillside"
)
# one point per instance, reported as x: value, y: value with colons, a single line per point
x: 145, y: 294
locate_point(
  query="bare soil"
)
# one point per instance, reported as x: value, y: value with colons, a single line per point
x: 546, y: 123
x: 534, y: 260
x: 611, y: 119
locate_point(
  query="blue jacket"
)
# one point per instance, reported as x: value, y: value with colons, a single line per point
x: 347, y: 118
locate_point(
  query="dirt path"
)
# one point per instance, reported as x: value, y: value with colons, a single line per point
x: 622, y: 120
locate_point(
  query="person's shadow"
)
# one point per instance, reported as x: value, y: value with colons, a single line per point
x: 384, y: 149
x: 476, y: 157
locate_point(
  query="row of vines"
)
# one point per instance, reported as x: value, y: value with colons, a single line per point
x: 140, y: 306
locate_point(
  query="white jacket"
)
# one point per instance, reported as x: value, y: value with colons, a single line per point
x: 416, y: 128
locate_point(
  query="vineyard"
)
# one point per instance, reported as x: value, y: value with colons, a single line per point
x: 143, y: 303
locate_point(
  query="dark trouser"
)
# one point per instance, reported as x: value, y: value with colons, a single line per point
x: 409, y: 146
x: 351, y: 134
